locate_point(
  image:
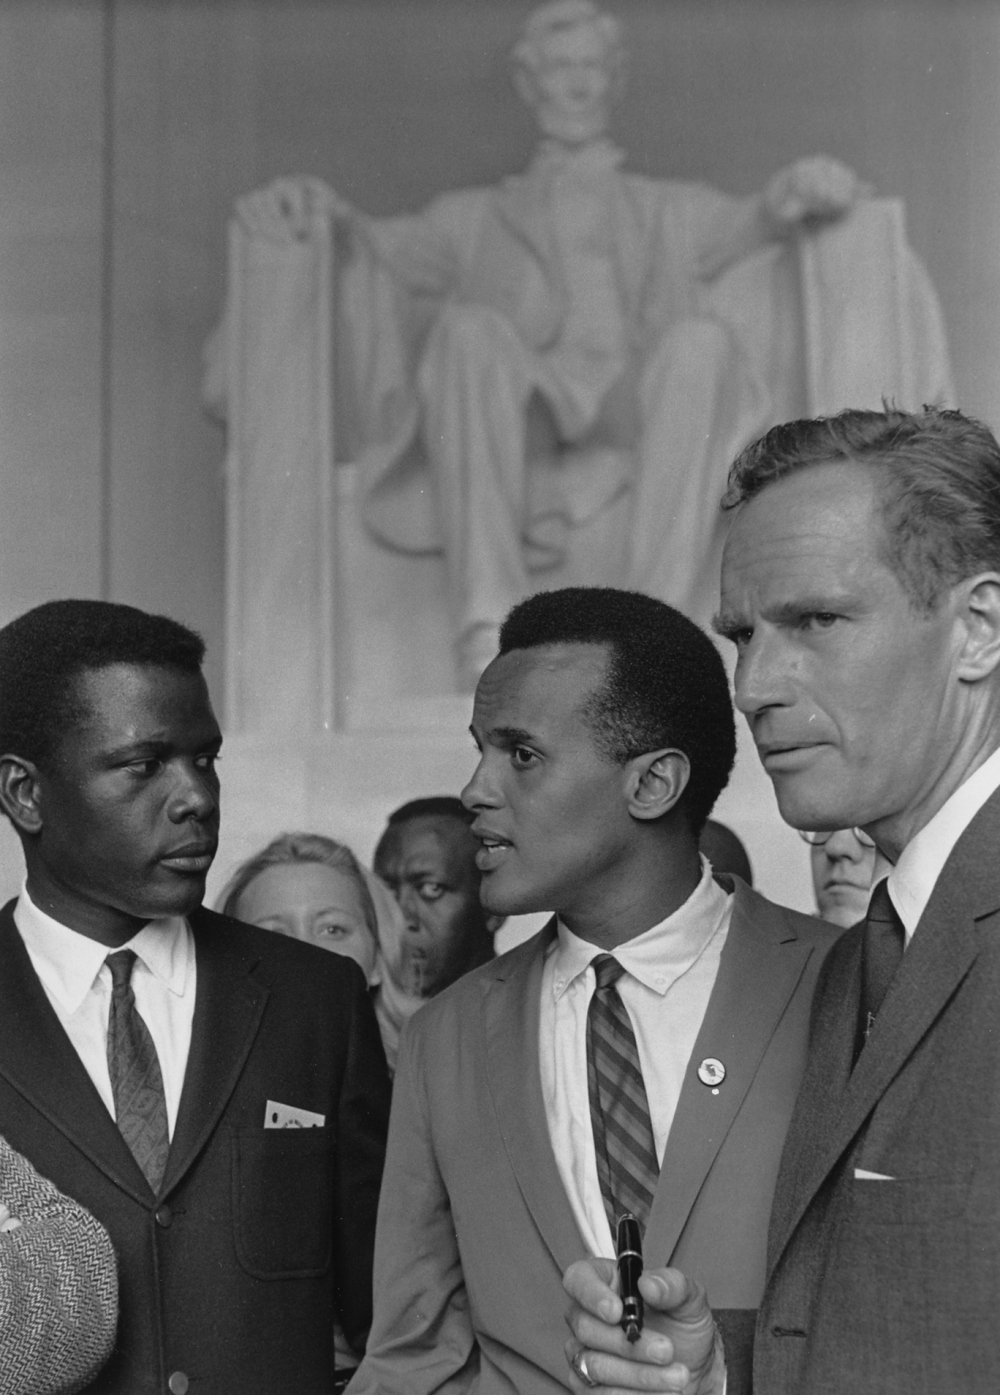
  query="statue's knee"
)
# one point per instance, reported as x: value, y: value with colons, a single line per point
x: 695, y: 350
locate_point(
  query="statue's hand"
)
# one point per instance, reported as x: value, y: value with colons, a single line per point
x: 813, y: 189
x: 284, y: 210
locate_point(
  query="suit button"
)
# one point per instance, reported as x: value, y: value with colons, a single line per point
x: 165, y: 1217
x: 178, y: 1383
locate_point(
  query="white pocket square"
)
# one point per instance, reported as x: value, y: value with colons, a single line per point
x: 861, y: 1174
x: 286, y: 1116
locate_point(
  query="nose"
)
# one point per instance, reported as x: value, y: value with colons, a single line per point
x: 408, y: 904
x: 843, y: 846
x: 195, y: 795
x: 480, y: 792
x: 762, y: 678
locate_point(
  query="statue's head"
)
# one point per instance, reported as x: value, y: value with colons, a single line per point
x: 569, y: 68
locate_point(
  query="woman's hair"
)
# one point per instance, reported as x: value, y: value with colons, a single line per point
x: 291, y: 848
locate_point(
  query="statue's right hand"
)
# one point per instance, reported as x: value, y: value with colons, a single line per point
x: 284, y: 210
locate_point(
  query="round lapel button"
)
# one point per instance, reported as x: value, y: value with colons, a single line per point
x: 711, y: 1071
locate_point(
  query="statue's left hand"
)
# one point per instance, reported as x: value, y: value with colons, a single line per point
x: 816, y: 188
x: 283, y: 211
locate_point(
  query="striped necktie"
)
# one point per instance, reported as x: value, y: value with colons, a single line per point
x: 881, y: 953
x: 619, y: 1111
x: 136, y: 1081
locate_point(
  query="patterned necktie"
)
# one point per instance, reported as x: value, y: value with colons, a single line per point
x: 136, y: 1082
x: 619, y: 1111
x: 881, y: 952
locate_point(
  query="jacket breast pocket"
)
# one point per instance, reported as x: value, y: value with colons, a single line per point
x: 283, y: 1201
x: 908, y: 1201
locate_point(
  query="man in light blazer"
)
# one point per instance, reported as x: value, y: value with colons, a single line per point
x: 214, y: 1094
x: 606, y: 733
x: 861, y: 587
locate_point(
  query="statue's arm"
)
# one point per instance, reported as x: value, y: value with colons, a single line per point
x: 800, y: 196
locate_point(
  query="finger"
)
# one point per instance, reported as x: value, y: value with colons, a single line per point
x: 588, y: 1282
x: 615, y: 1375
x: 596, y: 1335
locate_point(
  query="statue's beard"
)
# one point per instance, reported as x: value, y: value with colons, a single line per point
x: 572, y: 128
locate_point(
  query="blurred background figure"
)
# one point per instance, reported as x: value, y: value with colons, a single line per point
x: 842, y: 866
x: 427, y: 856
x: 725, y: 851
x: 309, y: 888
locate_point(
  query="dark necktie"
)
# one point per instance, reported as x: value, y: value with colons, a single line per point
x: 619, y: 1111
x: 881, y: 952
x: 136, y: 1082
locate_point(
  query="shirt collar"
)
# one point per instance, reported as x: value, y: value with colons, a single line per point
x: 922, y: 861
x: 68, y: 962
x: 660, y: 955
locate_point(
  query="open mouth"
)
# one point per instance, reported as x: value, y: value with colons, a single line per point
x: 492, y: 851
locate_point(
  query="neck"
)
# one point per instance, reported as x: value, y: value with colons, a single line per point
x: 644, y: 892
x: 105, y: 924
x: 891, y: 835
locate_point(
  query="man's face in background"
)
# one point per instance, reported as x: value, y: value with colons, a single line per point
x: 429, y: 862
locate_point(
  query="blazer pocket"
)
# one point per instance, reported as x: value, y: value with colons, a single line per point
x: 283, y: 1201
x: 908, y: 1200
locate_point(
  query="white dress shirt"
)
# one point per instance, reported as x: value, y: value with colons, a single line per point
x: 77, y: 982
x: 669, y: 975
x: 922, y: 861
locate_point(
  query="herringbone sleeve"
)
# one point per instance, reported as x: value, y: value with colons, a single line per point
x: 58, y: 1287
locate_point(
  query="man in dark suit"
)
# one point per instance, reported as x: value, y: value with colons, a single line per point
x: 861, y: 587
x: 215, y: 1095
x: 606, y: 734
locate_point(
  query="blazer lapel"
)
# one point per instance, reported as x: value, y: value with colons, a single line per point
x: 762, y: 962
x: 511, y: 1025
x: 228, y: 1009
x: 40, y: 1061
x: 942, y: 952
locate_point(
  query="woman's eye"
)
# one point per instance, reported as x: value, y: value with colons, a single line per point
x: 331, y: 931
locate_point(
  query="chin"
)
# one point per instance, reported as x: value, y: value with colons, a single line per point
x: 501, y: 900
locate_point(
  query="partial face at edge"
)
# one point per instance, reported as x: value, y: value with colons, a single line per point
x: 314, y: 903
x: 851, y: 693
x: 429, y: 863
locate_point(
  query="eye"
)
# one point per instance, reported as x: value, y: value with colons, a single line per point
x: 208, y: 761
x: 144, y: 768
x: 522, y: 757
x: 819, y: 620
x: 430, y: 891
x: 332, y: 930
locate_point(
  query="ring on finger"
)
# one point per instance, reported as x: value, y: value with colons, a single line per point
x: 579, y: 1364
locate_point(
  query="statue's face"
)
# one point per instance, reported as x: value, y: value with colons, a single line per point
x: 572, y: 85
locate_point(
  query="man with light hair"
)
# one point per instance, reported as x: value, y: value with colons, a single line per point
x: 570, y: 356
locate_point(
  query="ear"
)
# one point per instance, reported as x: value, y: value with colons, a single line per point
x: 979, y: 601
x: 655, y: 782
x: 20, y: 794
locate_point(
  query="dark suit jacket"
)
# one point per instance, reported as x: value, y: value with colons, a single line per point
x: 475, y: 1229
x: 233, y: 1273
x: 894, y: 1286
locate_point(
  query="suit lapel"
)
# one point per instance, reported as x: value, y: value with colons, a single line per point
x: 511, y: 1025
x: 40, y: 1061
x: 942, y: 952
x: 762, y: 962
x: 228, y: 1009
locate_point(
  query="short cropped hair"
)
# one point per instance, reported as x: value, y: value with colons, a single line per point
x: 558, y: 17
x: 665, y: 684
x: 439, y: 806
x: 44, y: 651
x: 938, y: 480
x: 296, y: 848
